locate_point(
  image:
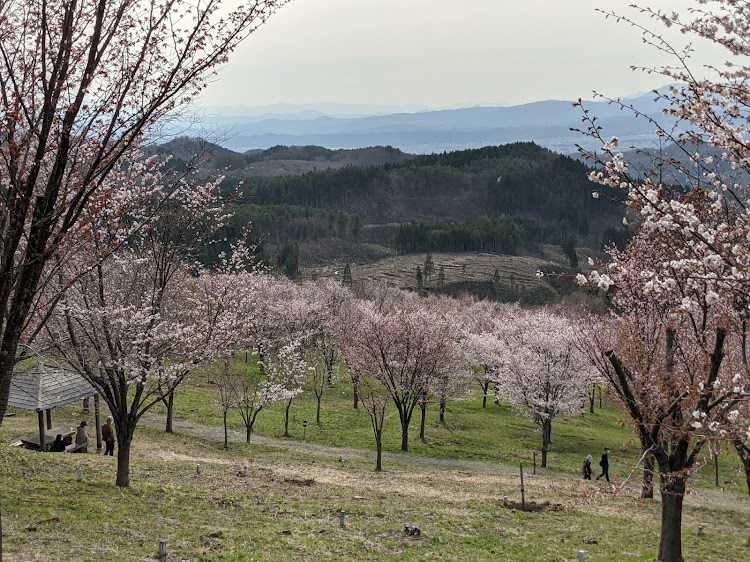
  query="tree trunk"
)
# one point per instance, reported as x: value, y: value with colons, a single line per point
x: 317, y: 411
x: 170, y: 411
x: 404, y: 435
x: 124, y: 439
x: 647, y: 491
x: 356, y: 395
x: 592, y: 400
x: 286, y: 418
x: 546, y: 438
x: 379, y: 454
x: 248, y: 433
x: 744, y: 454
x: 672, y: 495
x: 226, y: 431
x: 485, y: 389
x: 423, y: 410
x: 442, y: 410
x: 97, y: 422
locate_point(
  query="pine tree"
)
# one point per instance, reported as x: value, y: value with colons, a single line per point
x: 420, y: 281
x: 346, y: 278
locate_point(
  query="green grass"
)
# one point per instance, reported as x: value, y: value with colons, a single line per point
x: 254, y: 494
x: 251, y: 495
x: 497, y: 433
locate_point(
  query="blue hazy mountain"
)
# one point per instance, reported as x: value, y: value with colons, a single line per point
x: 548, y: 123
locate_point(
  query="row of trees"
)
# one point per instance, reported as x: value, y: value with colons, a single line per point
x: 502, y: 235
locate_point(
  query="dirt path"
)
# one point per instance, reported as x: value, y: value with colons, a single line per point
x: 214, y: 433
x: 702, y: 497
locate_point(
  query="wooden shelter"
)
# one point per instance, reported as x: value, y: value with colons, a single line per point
x: 42, y: 387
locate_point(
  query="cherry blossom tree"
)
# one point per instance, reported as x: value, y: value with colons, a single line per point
x: 676, y: 365
x: 691, y: 260
x: 135, y: 341
x: 228, y: 384
x: 482, y: 342
x: 84, y: 82
x: 542, y: 370
x: 375, y: 399
x: 403, y: 344
x: 452, y: 375
x: 326, y: 302
x: 278, y: 381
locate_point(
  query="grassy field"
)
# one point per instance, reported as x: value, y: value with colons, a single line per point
x: 281, y: 501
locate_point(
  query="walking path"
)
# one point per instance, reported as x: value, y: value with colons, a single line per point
x: 215, y: 433
x: 701, y: 497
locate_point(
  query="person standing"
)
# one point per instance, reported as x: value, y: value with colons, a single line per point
x: 108, y: 434
x: 587, y: 467
x: 604, y: 463
x: 82, y: 437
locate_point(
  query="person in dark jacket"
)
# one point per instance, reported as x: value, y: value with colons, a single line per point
x: 59, y: 445
x: 604, y: 463
x: 108, y: 434
x: 587, y: 468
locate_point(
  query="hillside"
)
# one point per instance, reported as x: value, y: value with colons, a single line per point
x: 315, y: 209
x: 281, y: 498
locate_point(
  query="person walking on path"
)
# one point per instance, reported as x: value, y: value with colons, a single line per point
x: 604, y: 463
x: 108, y: 434
x: 587, y: 468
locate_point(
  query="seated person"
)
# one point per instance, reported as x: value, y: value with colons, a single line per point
x: 59, y: 445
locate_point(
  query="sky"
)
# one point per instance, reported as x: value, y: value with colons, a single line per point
x: 439, y: 54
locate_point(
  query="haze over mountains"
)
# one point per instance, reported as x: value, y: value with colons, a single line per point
x: 415, y: 131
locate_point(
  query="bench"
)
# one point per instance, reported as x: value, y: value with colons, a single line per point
x: 79, y: 448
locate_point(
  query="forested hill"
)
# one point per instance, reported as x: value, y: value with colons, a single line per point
x: 514, y: 180
x: 498, y: 199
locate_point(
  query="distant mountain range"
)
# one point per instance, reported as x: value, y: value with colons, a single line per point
x: 333, y: 126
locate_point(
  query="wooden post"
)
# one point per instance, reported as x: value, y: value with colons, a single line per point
x: 98, y: 421
x: 523, y: 495
x: 42, y: 442
x: 49, y: 418
x: 534, y: 463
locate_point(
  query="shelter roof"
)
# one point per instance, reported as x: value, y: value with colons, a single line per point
x: 43, y: 386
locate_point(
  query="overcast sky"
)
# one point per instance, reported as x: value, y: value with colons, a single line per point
x: 437, y: 53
